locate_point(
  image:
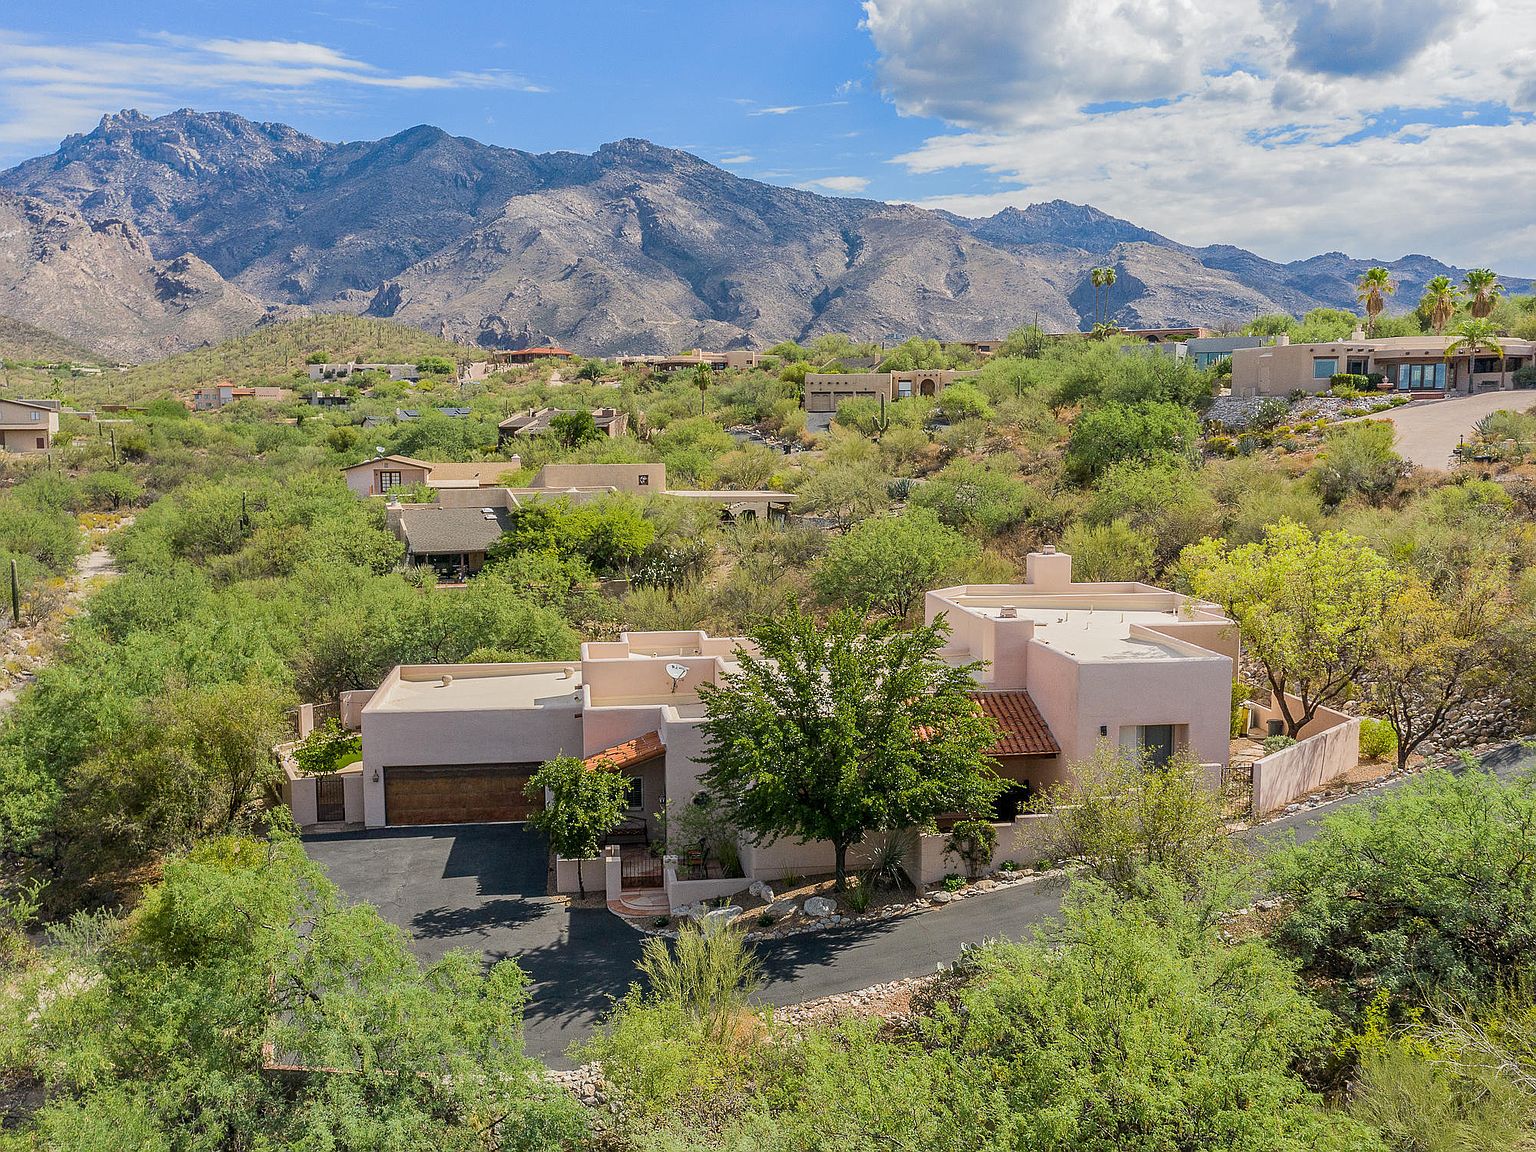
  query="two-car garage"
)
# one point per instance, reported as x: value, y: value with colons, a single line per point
x: 458, y: 793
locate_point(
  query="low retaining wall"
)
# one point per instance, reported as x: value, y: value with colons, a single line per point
x: 1305, y: 766
x: 593, y: 875
x: 1021, y: 841
x: 684, y: 892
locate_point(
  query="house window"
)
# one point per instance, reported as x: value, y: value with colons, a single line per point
x: 645, y: 479
x: 388, y: 481
x: 37, y: 416
x: 903, y: 389
x: 42, y: 442
x: 1154, y: 742
x: 1483, y: 365
x: 634, y: 799
x: 1359, y: 367
x: 1325, y: 367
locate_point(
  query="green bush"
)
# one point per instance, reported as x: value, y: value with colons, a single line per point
x: 953, y: 882
x: 972, y: 841
x: 1377, y: 739
x: 1273, y: 744
x: 328, y: 748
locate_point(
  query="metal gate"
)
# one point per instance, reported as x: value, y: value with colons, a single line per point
x: 330, y: 799
x: 640, y: 870
x: 1237, y: 790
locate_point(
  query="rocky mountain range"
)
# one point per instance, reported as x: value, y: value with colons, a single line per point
x: 148, y: 236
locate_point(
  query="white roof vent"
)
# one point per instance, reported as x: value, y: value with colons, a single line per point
x: 1008, y: 612
x: 1049, y: 550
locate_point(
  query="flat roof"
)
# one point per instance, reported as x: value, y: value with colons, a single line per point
x: 479, y: 687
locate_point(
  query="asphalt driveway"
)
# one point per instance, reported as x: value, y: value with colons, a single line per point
x: 481, y: 886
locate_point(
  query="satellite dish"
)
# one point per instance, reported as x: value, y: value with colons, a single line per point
x: 677, y: 672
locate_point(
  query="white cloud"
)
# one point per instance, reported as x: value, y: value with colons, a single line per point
x: 1275, y: 124
x: 846, y: 184
x: 789, y: 109
x: 48, y: 90
x: 743, y: 158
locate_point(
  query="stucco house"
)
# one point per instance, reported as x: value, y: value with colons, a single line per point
x: 538, y: 421
x: 1069, y: 665
x: 384, y: 474
x: 214, y: 396
x: 28, y: 425
x: 1408, y: 364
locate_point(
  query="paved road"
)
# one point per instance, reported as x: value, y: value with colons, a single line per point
x: 1427, y: 431
x: 472, y: 886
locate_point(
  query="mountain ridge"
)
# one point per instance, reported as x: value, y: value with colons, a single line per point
x: 635, y: 247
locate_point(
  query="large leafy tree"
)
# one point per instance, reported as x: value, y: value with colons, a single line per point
x: 1152, y: 433
x: 162, y: 1030
x: 1435, y: 657
x: 582, y: 805
x: 1372, y: 291
x: 1309, y: 608
x: 1439, y: 302
x: 1483, y: 290
x: 888, y: 562
x: 833, y: 730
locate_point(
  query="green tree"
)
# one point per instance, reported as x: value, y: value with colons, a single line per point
x: 1372, y: 290
x: 1425, y: 892
x: 1309, y: 608
x: 434, y: 365
x: 844, y: 492
x: 1483, y: 289
x: 573, y: 429
x: 112, y: 489
x: 583, y: 805
x: 834, y: 730
x: 1438, y: 304
x: 980, y: 497
x: 1153, y: 433
x: 1434, y: 658
x: 246, y: 949
x: 886, y: 563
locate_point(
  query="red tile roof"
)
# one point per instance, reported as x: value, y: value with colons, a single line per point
x: 631, y: 752
x: 1025, y: 732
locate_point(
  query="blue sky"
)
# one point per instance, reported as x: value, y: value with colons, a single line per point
x: 1378, y: 127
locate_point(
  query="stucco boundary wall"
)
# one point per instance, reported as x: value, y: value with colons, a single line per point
x: 1022, y: 841
x: 594, y: 874
x: 1329, y: 748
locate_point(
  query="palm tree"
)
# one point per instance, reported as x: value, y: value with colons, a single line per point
x: 1439, y: 300
x: 1108, y: 276
x: 1484, y: 288
x: 1096, y: 278
x: 1473, y: 336
x: 1372, y: 291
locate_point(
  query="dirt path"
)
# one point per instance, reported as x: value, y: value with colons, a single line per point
x: 25, y: 650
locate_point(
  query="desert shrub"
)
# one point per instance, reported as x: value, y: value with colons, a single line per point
x: 1273, y: 744
x: 973, y: 842
x: 328, y: 748
x: 953, y: 882
x: 1377, y: 740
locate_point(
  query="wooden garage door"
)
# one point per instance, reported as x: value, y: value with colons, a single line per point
x: 458, y: 793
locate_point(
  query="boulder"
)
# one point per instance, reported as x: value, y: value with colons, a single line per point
x: 941, y: 897
x: 819, y: 906
x: 719, y: 917
x: 779, y: 910
x: 760, y: 890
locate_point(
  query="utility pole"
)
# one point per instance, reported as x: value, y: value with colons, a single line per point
x: 15, y: 596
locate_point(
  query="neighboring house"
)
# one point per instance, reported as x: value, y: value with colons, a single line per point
x: 330, y: 372
x: 1202, y: 351
x: 981, y: 349
x: 1409, y: 364
x: 402, y: 415
x: 718, y: 361
x: 318, y: 399
x: 531, y: 355
x: 577, y: 483
x: 825, y: 392
x: 452, y: 541
x: 537, y: 421
x: 28, y: 425
x: 214, y: 396
x: 1070, y: 665
x: 384, y: 474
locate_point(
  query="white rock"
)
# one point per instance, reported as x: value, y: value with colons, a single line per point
x: 819, y: 906
x: 941, y: 897
x: 720, y: 917
x: 760, y: 890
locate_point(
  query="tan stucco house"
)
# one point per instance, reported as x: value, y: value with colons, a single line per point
x: 28, y: 425
x: 1408, y: 364
x: 384, y: 474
